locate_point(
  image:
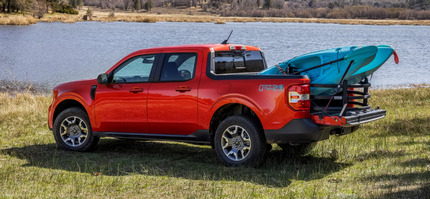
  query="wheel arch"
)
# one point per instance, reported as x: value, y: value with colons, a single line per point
x: 231, y: 109
x: 65, y: 104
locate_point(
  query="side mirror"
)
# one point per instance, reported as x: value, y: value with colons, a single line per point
x: 102, y: 78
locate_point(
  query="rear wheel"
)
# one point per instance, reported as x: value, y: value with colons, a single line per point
x: 72, y: 130
x: 299, y: 149
x: 239, y: 142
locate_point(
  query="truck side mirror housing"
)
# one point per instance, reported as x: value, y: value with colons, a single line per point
x: 102, y: 78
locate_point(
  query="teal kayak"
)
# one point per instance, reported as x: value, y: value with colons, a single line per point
x: 334, y: 64
x: 384, y: 52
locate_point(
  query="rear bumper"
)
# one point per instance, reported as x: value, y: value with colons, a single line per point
x: 298, y: 131
x: 320, y: 127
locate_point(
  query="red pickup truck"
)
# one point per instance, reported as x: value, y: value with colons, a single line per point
x: 208, y: 94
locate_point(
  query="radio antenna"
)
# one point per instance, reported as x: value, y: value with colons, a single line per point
x: 226, y: 41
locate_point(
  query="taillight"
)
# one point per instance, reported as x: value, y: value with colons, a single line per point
x: 299, y: 97
x: 351, y: 94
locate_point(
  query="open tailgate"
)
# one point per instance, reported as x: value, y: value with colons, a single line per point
x: 351, y: 118
x: 347, y: 108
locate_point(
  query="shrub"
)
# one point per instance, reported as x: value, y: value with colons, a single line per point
x: 88, y: 15
x: 68, y: 9
x: 302, y: 13
x: 39, y: 8
x: 339, y: 14
x: 111, y: 13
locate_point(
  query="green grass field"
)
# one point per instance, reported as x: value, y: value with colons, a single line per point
x: 389, y: 158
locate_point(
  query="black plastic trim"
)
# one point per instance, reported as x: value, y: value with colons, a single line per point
x: 298, y: 131
x: 200, y: 136
x: 93, y: 92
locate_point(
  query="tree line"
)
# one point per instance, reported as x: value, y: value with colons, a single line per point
x: 412, y: 9
x: 366, y: 9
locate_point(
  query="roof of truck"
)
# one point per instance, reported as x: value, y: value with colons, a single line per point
x: 216, y: 47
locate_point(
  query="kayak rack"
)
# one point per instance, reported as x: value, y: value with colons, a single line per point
x: 343, y: 100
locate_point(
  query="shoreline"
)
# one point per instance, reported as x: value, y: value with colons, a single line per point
x: 101, y: 16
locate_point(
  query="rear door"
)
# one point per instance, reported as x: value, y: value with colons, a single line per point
x: 172, y: 101
x: 121, y: 105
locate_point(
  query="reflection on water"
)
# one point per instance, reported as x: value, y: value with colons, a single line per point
x: 56, y: 52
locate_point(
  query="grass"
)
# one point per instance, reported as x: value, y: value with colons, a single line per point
x: 186, y: 15
x: 16, y: 19
x: 388, y: 158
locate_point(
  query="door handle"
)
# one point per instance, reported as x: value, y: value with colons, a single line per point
x: 136, y: 90
x: 183, y: 89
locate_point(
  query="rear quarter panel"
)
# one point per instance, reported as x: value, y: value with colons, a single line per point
x: 269, y: 105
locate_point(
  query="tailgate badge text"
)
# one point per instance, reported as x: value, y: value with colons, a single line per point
x: 273, y: 87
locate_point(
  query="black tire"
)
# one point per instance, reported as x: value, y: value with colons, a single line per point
x: 247, y: 134
x: 268, y: 148
x: 75, y: 126
x: 297, y: 150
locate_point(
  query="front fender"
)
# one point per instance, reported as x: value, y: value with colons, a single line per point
x: 86, y: 103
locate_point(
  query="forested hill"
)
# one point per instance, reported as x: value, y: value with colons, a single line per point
x: 337, y: 9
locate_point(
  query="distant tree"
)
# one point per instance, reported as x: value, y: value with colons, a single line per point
x: 356, y: 2
x: 76, y: 3
x: 39, y: 8
x: 268, y: 4
x: 88, y: 15
x: 234, y: 5
x: 258, y: 3
x: 312, y: 4
x: 148, y: 5
x: 79, y: 3
x: 73, y: 3
x: 331, y: 5
x: 136, y: 4
x: 278, y: 4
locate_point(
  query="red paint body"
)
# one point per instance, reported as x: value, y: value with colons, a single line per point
x: 159, y: 108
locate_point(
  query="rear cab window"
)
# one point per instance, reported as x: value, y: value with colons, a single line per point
x: 233, y: 62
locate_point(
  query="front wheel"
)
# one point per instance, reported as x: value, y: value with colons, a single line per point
x: 72, y: 130
x: 240, y: 142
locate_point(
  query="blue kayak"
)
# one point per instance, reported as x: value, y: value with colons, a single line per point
x: 384, y: 52
x: 365, y: 60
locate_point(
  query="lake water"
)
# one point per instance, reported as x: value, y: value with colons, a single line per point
x: 53, y: 53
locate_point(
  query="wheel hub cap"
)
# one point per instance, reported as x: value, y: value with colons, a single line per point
x: 236, y: 143
x: 73, y: 131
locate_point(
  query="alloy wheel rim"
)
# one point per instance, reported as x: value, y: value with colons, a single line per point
x: 74, y: 131
x: 236, y: 143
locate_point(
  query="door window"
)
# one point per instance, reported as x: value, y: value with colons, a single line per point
x: 178, y: 67
x: 136, y: 69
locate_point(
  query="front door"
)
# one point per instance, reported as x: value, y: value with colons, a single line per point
x: 121, y: 105
x: 172, y: 101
